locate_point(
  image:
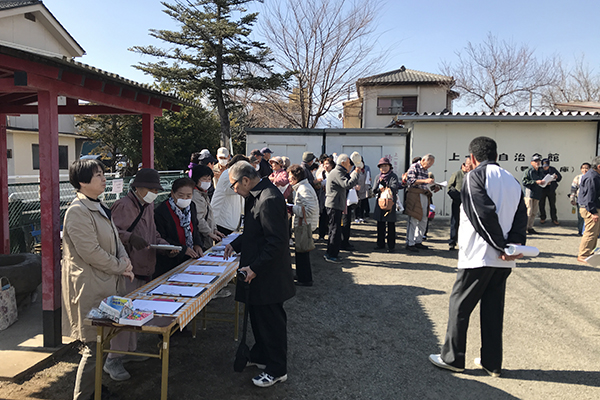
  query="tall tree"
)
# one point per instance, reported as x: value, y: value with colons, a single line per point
x: 211, y: 54
x: 576, y: 84
x: 498, y: 75
x: 327, y: 45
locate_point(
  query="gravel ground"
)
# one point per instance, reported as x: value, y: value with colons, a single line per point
x: 365, y: 329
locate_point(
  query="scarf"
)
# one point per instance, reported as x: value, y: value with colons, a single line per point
x: 385, y: 177
x: 185, y: 219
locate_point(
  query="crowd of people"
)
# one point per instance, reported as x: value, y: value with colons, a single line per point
x: 107, y: 251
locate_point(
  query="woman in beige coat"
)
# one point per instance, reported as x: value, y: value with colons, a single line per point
x: 94, y: 264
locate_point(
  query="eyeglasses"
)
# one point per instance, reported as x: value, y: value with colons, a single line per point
x: 233, y: 185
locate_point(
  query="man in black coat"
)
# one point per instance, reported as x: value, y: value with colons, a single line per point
x: 265, y: 258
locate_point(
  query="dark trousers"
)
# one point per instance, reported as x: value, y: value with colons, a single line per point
x: 323, y: 223
x: 269, y: 326
x: 303, y: 268
x: 224, y: 231
x: 363, y: 210
x: 454, y: 220
x: 346, y: 225
x: 551, y: 196
x: 335, y: 231
x: 391, y: 234
x: 488, y: 285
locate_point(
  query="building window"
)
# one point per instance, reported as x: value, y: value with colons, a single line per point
x: 63, y: 156
x: 396, y: 105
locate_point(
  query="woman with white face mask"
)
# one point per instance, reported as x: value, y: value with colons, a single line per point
x: 202, y: 177
x: 133, y: 215
x: 176, y: 221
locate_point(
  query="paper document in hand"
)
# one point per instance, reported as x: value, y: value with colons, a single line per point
x: 527, y: 251
x: 211, y: 269
x: 444, y: 184
x: 176, y: 290
x: 191, y: 278
x: 159, y: 307
x: 547, y: 179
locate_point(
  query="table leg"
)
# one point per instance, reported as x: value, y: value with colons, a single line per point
x: 165, y: 366
x: 99, y: 357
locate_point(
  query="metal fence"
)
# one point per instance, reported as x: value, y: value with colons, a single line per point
x: 24, y: 214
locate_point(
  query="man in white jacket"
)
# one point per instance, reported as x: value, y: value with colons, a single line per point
x: 492, y: 215
x: 226, y: 204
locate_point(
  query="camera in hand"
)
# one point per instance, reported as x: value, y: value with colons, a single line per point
x: 241, y: 275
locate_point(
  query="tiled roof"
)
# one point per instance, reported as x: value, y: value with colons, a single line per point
x: 7, y: 4
x: 403, y: 76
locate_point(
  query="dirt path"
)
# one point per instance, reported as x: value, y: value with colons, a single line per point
x: 365, y: 329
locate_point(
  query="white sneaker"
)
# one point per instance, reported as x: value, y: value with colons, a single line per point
x: 114, y: 367
x: 266, y: 380
x: 436, y: 359
x: 493, y: 374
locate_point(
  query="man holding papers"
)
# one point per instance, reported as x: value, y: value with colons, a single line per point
x: 265, y: 258
x: 493, y: 215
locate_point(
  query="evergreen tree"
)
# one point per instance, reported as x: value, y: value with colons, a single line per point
x: 211, y: 54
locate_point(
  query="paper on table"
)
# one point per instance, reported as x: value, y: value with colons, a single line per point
x: 159, y: 307
x: 176, y: 290
x: 213, y: 269
x: 190, y: 278
x: 527, y: 251
x: 213, y: 259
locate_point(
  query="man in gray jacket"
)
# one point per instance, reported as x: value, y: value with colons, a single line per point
x: 338, y: 184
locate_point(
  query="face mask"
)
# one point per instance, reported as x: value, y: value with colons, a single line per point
x: 223, y: 161
x: 205, y: 185
x: 150, y: 197
x: 257, y: 167
x: 183, y: 203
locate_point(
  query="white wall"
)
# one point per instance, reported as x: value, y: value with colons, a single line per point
x: 17, y: 29
x: 572, y: 142
x: 429, y: 99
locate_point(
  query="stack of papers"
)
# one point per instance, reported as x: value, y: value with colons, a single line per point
x: 158, y: 306
x: 192, y: 278
x: 177, y: 290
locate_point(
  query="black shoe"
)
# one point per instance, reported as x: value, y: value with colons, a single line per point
x: 379, y: 248
x: 412, y: 248
x: 298, y: 283
x: 421, y: 246
x: 452, y: 247
x: 531, y: 231
x: 390, y: 250
x: 347, y: 247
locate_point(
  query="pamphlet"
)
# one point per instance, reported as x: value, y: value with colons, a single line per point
x: 210, y: 269
x: 166, y: 307
x: 192, y: 278
x: 137, y: 318
x: 177, y: 290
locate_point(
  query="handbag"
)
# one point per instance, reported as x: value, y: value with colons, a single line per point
x: 8, y: 304
x: 242, y: 355
x: 386, y: 200
x: 303, y: 235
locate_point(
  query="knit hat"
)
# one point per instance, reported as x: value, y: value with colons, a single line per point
x: 147, y: 178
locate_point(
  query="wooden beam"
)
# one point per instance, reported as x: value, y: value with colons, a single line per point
x: 50, y: 217
x: 4, y: 224
x: 66, y: 110
x: 147, y: 141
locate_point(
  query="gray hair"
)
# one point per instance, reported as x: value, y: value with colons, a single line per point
x: 428, y: 157
x: 243, y: 169
x: 595, y: 162
x: 342, y: 158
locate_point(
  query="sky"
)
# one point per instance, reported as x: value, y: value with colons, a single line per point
x: 418, y: 34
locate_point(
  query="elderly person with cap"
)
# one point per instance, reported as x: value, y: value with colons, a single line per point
x: 133, y: 215
x: 223, y: 158
x: 265, y: 165
x: 533, y: 178
x: 279, y: 176
x: 386, y: 218
x: 308, y: 159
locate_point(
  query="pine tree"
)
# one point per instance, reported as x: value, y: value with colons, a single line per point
x: 211, y: 54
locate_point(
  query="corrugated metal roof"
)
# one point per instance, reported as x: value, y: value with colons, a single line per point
x: 504, y: 116
x: 7, y: 4
x: 403, y: 76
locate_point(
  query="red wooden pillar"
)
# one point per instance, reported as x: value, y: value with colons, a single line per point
x: 4, y: 224
x: 50, y: 210
x: 148, y: 141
